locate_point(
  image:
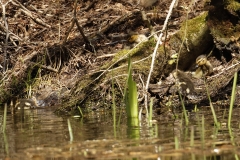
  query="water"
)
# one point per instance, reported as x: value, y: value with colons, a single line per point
x: 39, y: 134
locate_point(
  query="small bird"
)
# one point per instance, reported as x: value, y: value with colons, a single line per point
x: 26, y: 103
x: 137, y: 38
x: 147, y: 3
x: 205, y: 68
x: 143, y: 3
x: 183, y: 82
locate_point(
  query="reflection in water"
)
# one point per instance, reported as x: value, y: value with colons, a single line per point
x: 39, y: 134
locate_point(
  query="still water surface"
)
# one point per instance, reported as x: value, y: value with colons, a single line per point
x: 40, y: 134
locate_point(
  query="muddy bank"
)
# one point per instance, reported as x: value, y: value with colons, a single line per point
x: 57, y: 64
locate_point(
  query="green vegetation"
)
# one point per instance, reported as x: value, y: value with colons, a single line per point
x: 212, y: 108
x: 232, y: 5
x: 114, y: 109
x: 232, y: 99
x: 184, y: 109
x: 150, y: 112
x: 80, y: 111
x: 176, y: 142
x: 131, y: 94
x: 70, y: 130
x: 203, y: 132
x: 4, y: 118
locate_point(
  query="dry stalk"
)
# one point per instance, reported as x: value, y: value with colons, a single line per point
x: 79, y: 27
x: 155, y: 52
x: 28, y: 13
x: 7, y: 34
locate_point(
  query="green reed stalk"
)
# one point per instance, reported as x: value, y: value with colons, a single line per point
x: 193, y: 156
x: 4, y: 118
x: 211, y: 106
x: 184, y: 109
x: 176, y: 142
x: 232, y: 98
x: 192, y: 136
x: 6, y: 144
x: 80, y: 111
x: 70, y: 130
x: 150, y: 112
x: 131, y: 96
x: 203, y: 133
x: 236, y: 156
x: 233, y: 141
x: 131, y: 101
x: 114, y: 109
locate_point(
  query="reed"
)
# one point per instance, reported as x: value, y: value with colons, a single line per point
x: 211, y: 106
x: 232, y: 99
x: 70, y: 130
x: 4, y: 118
x: 184, y: 109
x: 203, y: 132
x: 131, y: 102
x: 80, y: 111
x: 150, y: 112
x: 114, y: 109
x: 130, y: 95
x: 176, y: 142
x: 192, y: 137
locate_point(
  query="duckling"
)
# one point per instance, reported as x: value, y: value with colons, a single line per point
x: 147, y: 3
x: 143, y: 3
x: 183, y: 82
x: 137, y: 38
x: 205, y: 68
x: 26, y: 103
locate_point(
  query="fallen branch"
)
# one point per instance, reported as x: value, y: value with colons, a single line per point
x: 44, y: 67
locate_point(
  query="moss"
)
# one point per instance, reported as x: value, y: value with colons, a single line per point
x: 233, y: 6
x: 136, y: 54
x: 89, y: 88
x: 187, y: 46
x: 194, y: 27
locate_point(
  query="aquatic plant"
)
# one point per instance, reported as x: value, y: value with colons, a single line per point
x: 211, y: 106
x: 70, y: 130
x: 130, y: 95
x: 184, y: 109
x: 80, y: 111
x: 150, y: 112
x: 114, y: 109
x: 232, y: 99
x: 4, y: 118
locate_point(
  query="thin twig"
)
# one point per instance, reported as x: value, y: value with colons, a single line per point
x: 29, y: 14
x: 155, y: 52
x: 7, y: 34
x: 44, y: 67
x: 79, y: 27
